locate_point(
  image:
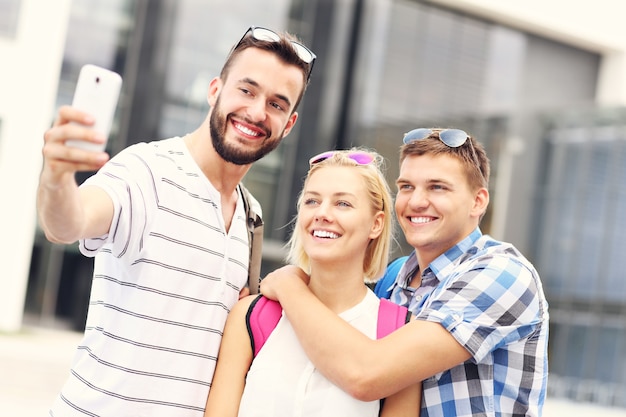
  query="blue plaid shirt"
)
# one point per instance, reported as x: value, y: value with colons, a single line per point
x: 490, y: 298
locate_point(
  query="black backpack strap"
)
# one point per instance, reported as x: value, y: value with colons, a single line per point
x: 255, y: 238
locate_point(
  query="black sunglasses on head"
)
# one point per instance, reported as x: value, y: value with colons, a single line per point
x: 263, y: 34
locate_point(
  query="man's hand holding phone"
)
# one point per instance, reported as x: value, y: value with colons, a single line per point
x: 78, y: 138
x: 75, y: 124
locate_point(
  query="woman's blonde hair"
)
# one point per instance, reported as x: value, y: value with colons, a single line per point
x: 377, y: 252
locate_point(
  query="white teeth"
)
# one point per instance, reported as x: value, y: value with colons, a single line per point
x: 420, y: 220
x: 325, y: 234
x: 246, y: 130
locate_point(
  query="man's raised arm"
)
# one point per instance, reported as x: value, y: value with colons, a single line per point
x: 66, y: 213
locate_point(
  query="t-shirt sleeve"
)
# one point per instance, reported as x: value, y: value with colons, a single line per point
x: 128, y: 180
x: 491, y: 303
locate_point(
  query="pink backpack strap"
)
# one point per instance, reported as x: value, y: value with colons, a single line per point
x: 391, y: 317
x: 262, y: 317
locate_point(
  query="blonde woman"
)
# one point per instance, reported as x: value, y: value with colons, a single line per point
x: 341, y: 238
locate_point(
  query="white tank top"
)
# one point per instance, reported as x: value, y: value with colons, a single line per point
x: 282, y: 382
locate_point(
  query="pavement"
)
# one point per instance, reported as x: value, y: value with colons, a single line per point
x: 33, y: 366
x: 35, y: 361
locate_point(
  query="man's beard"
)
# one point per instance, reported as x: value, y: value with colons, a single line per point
x: 230, y: 153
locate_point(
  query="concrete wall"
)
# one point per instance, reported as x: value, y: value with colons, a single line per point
x: 31, y: 64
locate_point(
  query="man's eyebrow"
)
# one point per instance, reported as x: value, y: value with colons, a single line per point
x: 402, y: 180
x: 253, y: 83
x: 439, y: 181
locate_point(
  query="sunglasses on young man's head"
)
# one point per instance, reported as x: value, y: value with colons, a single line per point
x: 453, y: 138
x: 360, y: 157
x: 267, y: 35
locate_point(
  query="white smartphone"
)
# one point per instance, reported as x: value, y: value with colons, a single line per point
x: 97, y: 92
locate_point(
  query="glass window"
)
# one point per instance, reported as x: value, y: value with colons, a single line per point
x: 583, y: 211
x: 580, y: 222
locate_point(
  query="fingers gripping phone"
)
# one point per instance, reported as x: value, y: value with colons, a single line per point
x: 97, y: 92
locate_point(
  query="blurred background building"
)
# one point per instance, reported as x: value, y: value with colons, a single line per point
x: 541, y: 83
